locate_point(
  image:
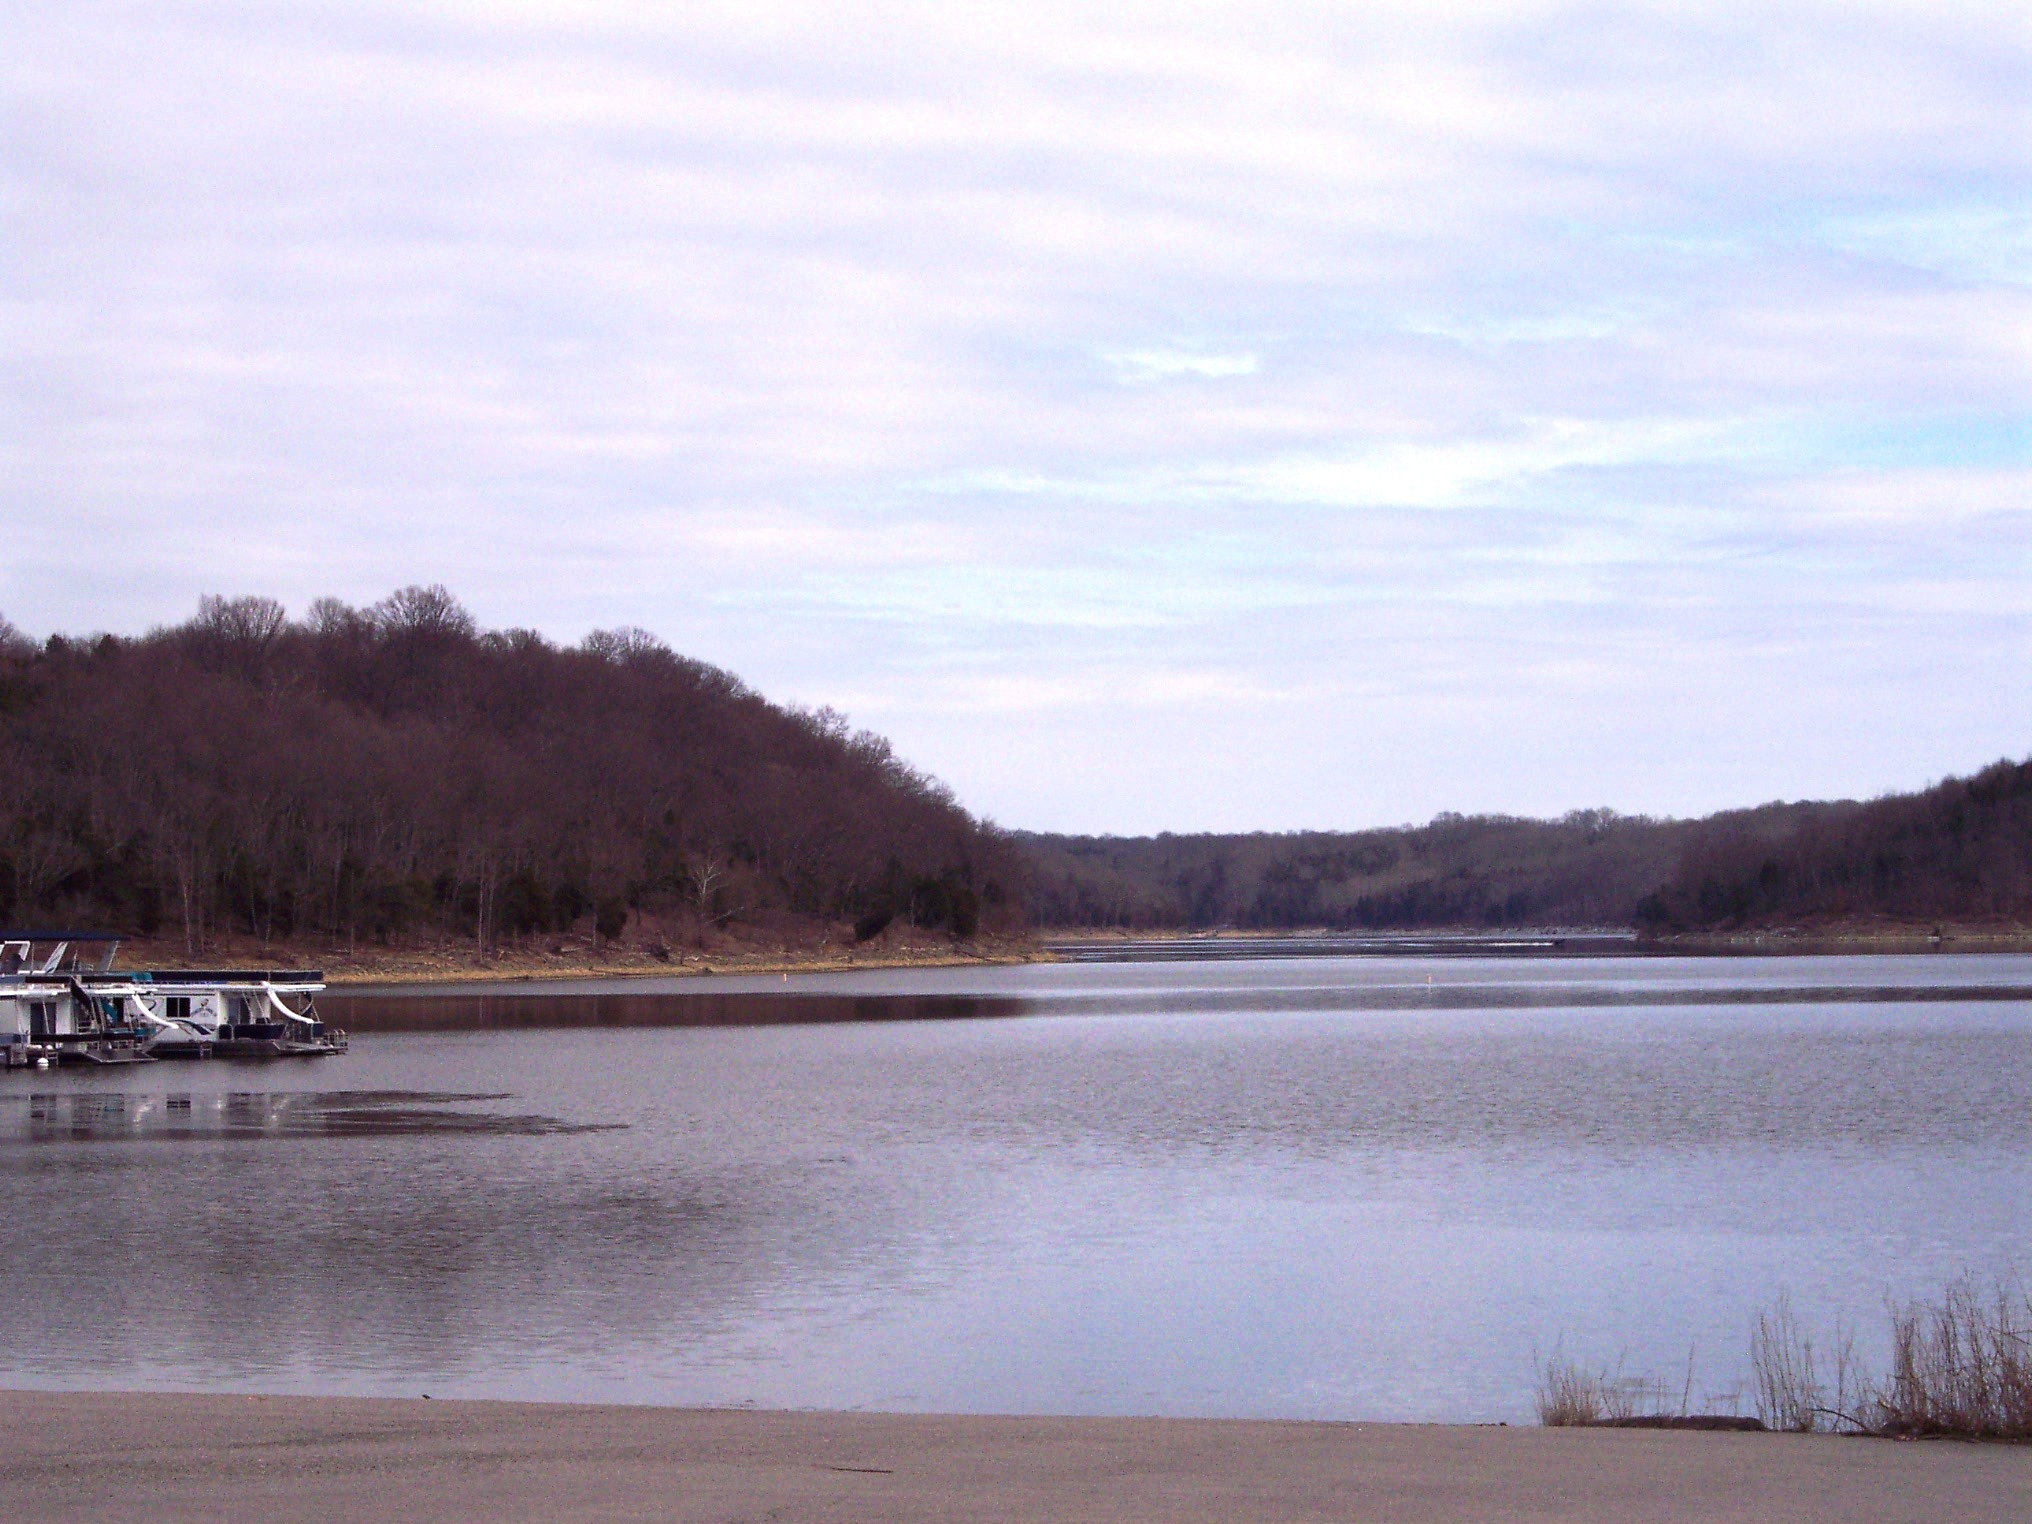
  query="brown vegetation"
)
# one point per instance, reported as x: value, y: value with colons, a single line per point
x: 396, y: 777
x: 1961, y: 1368
x: 1588, y: 869
x: 1960, y: 852
x: 1571, y: 1395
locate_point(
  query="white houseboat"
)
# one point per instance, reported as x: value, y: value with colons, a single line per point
x: 62, y: 1002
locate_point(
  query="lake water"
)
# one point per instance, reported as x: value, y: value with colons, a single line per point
x: 1321, y: 1188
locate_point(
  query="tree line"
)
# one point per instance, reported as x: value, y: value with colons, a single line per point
x: 392, y: 773
x: 1959, y: 851
x: 1588, y: 869
x: 395, y: 772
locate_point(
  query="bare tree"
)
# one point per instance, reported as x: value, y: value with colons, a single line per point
x: 395, y: 772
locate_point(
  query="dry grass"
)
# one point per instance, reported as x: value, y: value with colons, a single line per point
x: 1573, y: 1395
x: 1961, y: 1368
x: 1570, y: 1395
x: 1789, y: 1374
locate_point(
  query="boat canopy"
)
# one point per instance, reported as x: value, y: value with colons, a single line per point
x: 49, y: 952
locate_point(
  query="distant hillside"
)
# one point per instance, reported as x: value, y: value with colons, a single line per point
x: 1588, y: 869
x: 1960, y: 851
x: 376, y: 774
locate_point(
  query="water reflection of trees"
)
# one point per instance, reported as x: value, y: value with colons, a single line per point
x: 429, y: 1013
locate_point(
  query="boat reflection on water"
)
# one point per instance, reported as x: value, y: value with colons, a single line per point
x: 99, y: 1116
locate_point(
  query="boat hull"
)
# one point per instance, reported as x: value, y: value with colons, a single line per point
x: 271, y: 1047
x: 110, y: 1051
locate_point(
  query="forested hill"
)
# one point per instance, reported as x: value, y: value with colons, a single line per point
x: 1958, y: 852
x: 1588, y: 869
x: 395, y: 772
x: 394, y: 775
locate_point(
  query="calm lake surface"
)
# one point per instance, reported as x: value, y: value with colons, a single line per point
x: 1292, y: 1188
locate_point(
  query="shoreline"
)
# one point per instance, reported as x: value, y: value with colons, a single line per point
x: 169, y: 1457
x: 438, y: 965
x: 657, y: 960
x: 694, y: 967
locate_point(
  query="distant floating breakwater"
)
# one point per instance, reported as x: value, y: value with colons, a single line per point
x: 1165, y: 949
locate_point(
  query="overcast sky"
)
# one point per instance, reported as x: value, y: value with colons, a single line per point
x: 1231, y: 417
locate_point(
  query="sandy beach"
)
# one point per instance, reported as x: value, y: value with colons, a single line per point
x: 166, y: 1458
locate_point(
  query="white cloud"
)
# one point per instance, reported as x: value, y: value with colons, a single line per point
x: 1157, y: 358
x: 1141, y: 365
x: 1940, y: 501
x: 1970, y: 242
x: 1396, y: 474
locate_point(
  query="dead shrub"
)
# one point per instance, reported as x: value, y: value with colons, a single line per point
x: 1960, y: 1367
x: 1789, y: 1375
x: 1571, y: 1395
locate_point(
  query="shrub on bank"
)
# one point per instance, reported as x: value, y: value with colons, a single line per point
x: 1961, y: 1368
